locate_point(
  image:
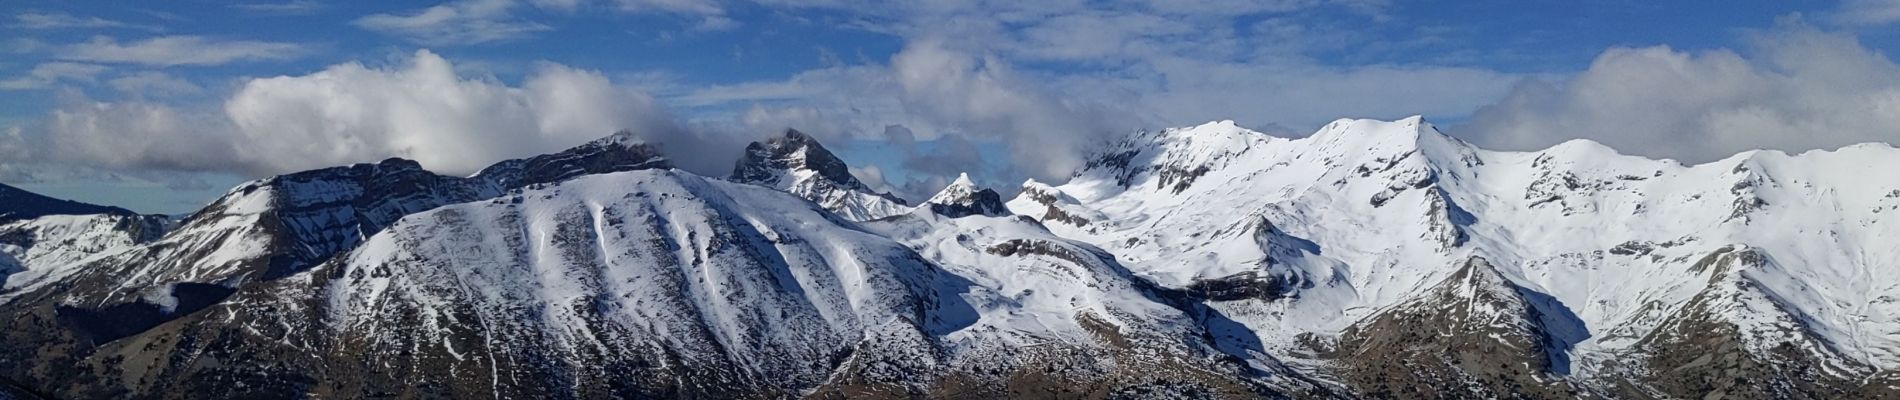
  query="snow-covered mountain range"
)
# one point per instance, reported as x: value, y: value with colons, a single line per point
x: 1372, y: 259
x: 1778, y: 259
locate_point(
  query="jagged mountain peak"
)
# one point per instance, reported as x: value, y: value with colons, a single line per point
x: 958, y: 190
x: 1476, y: 274
x: 964, y: 197
x: 767, y: 162
x: 1479, y: 293
x: 963, y: 181
x: 797, y: 163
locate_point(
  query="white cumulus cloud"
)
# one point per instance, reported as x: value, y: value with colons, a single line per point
x: 420, y: 109
x: 1799, y: 89
x: 425, y: 111
x: 936, y: 92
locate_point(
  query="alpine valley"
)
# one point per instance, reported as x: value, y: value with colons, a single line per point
x: 1371, y: 259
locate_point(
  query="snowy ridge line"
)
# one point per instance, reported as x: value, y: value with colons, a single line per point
x: 1379, y: 209
x: 1372, y: 258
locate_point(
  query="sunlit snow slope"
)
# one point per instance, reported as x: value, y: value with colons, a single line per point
x: 1326, y: 230
x: 663, y: 283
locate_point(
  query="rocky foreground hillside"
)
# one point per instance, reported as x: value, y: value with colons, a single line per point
x: 1372, y: 259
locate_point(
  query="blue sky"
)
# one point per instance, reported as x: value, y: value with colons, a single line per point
x: 160, y: 106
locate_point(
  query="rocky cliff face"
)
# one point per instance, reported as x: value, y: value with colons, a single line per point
x: 1474, y: 334
x: 796, y: 163
x: 964, y: 198
x: 1736, y: 338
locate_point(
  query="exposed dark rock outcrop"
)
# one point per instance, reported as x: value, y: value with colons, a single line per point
x: 1736, y: 340
x: 1473, y: 335
x: 963, y: 198
x: 796, y: 163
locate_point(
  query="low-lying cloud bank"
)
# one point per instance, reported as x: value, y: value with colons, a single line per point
x: 419, y: 108
x: 1796, y: 88
x: 940, y: 107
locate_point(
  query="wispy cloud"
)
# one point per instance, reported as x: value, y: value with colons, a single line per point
x: 465, y: 22
x: 293, y: 7
x: 56, y: 20
x: 23, y: 45
x: 46, y: 74
x: 153, y: 83
x: 1867, y: 12
x: 715, y: 23
x: 165, y: 51
x: 693, y: 7
x: 711, y: 14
